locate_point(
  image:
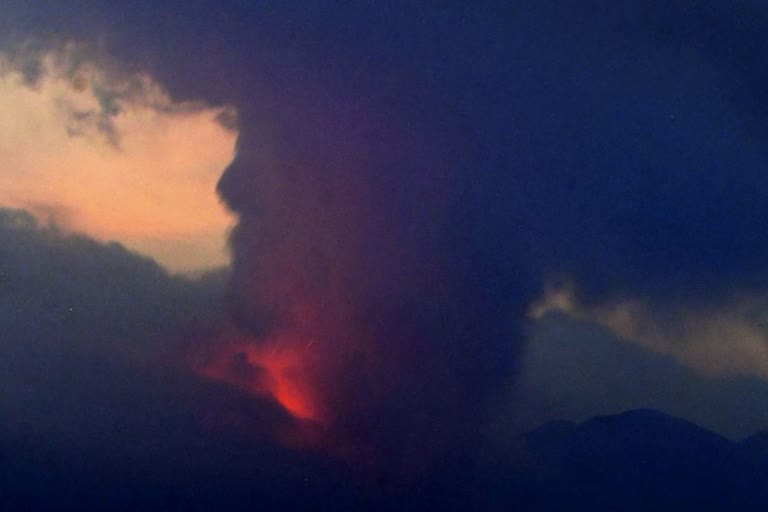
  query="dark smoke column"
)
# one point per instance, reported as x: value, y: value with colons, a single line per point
x: 359, y: 264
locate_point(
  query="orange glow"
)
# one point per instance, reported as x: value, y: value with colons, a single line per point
x: 276, y: 368
x: 287, y: 384
x: 142, y: 172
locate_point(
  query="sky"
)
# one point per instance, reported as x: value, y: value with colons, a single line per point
x: 376, y: 238
x: 82, y: 142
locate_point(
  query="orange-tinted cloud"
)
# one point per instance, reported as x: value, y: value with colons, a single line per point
x: 113, y: 155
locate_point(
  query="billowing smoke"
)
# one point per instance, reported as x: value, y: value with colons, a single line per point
x: 393, y: 214
x: 359, y: 297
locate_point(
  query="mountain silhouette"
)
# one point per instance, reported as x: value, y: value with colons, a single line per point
x: 636, y: 460
x: 640, y: 460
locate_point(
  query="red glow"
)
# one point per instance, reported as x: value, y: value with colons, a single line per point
x: 287, y: 383
x: 278, y: 367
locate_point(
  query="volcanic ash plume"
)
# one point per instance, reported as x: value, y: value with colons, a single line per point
x: 359, y: 301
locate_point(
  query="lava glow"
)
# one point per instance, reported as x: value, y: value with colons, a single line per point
x: 286, y: 385
x: 277, y: 368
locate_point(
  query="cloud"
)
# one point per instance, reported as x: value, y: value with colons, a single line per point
x: 63, y: 290
x: 728, y: 336
x: 575, y: 369
x: 93, y: 408
x: 95, y: 149
x: 646, y: 192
